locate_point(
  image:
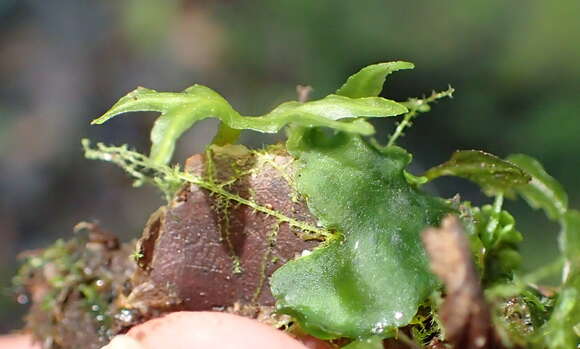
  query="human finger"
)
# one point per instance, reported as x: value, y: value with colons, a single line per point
x: 17, y: 342
x: 189, y: 330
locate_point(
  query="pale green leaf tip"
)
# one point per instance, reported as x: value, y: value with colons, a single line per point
x: 99, y: 121
x: 393, y: 66
x: 369, y: 80
x: 104, y: 118
x: 401, y: 64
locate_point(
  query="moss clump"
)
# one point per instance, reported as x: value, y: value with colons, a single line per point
x: 74, y: 285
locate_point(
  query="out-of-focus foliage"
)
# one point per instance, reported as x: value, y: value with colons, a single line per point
x: 563, y: 329
x: 543, y: 191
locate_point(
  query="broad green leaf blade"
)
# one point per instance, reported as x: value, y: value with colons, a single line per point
x: 368, y: 82
x: 543, y: 191
x: 141, y: 99
x: 180, y: 111
x: 198, y: 103
x: 334, y: 107
x: 491, y: 173
x: 373, y: 278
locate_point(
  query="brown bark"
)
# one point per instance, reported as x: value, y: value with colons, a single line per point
x: 204, y: 251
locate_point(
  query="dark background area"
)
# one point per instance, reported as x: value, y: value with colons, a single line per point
x: 515, y: 67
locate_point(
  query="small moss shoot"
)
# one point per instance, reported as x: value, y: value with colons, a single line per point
x: 170, y: 179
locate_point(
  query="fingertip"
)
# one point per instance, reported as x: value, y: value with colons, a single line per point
x: 18, y: 342
x: 188, y: 330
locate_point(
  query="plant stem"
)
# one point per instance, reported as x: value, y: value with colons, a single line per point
x: 137, y: 165
x: 416, y: 106
x: 401, y: 126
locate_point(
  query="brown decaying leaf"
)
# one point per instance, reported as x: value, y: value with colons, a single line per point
x: 464, y: 313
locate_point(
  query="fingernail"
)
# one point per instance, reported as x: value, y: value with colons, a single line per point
x: 123, y: 342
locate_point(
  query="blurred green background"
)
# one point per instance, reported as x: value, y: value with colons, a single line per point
x: 515, y: 67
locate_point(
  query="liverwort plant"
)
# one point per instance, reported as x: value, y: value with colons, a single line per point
x: 369, y: 277
x: 180, y: 111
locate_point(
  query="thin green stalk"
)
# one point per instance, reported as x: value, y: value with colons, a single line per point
x: 212, y: 187
x: 138, y: 164
x: 416, y: 106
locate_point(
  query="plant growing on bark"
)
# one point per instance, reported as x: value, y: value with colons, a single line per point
x: 323, y: 234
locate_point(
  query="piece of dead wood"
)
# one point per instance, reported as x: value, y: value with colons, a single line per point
x: 464, y: 313
x: 207, y: 252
